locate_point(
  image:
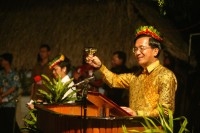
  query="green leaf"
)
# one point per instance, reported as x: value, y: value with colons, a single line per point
x: 47, y: 96
x: 47, y: 79
x: 33, y: 116
x: 171, y: 120
x: 29, y: 122
x: 165, y: 123
x: 151, y: 123
x: 183, y: 124
x: 55, y: 92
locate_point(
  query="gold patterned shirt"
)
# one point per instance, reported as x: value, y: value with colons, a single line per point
x: 156, y: 85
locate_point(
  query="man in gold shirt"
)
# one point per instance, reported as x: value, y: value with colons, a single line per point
x: 154, y: 85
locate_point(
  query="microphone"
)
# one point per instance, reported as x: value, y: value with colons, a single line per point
x: 84, y: 81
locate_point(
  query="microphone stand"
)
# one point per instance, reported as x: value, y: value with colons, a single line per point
x: 85, y: 84
x: 84, y: 105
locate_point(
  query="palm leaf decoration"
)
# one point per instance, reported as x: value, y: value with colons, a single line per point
x: 55, y: 94
x: 30, y: 122
x: 56, y: 90
x: 163, y: 124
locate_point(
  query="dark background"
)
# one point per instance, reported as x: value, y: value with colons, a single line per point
x: 186, y: 16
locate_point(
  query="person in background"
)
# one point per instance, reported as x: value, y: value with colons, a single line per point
x: 41, y: 67
x: 118, y: 66
x: 9, y: 85
x: 155, y: 85
x: 61, y: 66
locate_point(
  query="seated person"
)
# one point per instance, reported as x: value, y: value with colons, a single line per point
x: 61, y: 66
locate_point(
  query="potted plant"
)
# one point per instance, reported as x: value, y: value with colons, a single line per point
x: 56, y: 91
x: 54, y: 95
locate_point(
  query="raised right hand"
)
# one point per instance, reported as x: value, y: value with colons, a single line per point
x: 93, y: 61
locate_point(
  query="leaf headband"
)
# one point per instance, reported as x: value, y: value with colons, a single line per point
x: 148, y: 30
x: 56, y: 60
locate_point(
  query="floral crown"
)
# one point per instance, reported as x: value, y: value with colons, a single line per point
x: 148, y: 30
x: 56, y: 60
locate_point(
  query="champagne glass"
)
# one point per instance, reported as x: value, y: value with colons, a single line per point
x: 90, y: 51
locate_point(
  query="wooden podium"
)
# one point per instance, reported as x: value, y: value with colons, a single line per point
x: 103, y: 116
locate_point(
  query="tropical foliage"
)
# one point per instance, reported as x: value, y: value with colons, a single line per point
x: 54, y: 94
x: 30, y: 122
x: 161, y: 4
x: 56, y: 90
x: 164, y: 123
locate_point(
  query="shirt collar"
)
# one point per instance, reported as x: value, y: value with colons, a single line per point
x: 65, y: 79
x: 152, y: 66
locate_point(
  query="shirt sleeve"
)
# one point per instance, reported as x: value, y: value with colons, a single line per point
x: 116, y: 80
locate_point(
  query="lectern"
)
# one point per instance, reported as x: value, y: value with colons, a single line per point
x: 103, y: 116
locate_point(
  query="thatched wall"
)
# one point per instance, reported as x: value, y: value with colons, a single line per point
x: 68, y: 26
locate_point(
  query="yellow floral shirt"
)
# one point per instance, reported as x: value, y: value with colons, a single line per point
x: 156, y: 85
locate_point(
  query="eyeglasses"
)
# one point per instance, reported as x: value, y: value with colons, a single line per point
x: 141, y: 49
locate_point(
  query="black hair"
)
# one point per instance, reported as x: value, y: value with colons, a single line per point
x: 66, y: 63
x: 45, y: 46
x: 155, y: 44
x: 121, y: 55
x: 8, y: 57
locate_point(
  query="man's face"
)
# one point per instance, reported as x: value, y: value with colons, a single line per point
x: 4, y: 63
x: 58, y: 71
x: 44, y: 53
x: 145, y: 55
x: 115, y: 61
